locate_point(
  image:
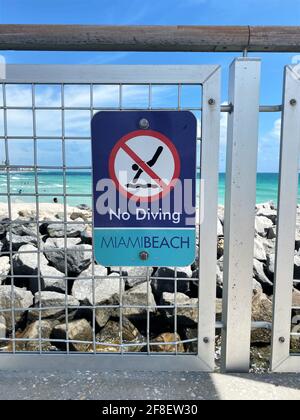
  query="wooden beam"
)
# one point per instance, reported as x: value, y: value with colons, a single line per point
x: 150, y: 38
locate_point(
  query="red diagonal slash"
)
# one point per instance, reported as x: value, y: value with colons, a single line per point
x: 144, y: 166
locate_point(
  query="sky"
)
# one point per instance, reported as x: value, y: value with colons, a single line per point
x: 146, y: 12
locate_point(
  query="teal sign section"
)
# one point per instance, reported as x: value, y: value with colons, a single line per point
x: 176, y: 247
x: 144, y: 188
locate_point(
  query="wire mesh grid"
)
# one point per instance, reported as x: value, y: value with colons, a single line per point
x: 51, y: 298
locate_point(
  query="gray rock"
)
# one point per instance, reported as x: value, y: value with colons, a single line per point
x: 4, y: 268
x: 4, y: 245
x: 262, y: 224
x: 220, y: 248
x: 137, y: 275
x: 57, y: 230
x: 18, y: 241
x: 107, y: 291
x: 271, y: 232
x: 259, y: 250
x: 270, y: 265
x: 79, y: 257
x: 297, y: 267
x: 137, y: 296
x: 111, y: 336
x: 268, y: 213
x: 21, y: 227
x: 185, y: 315
x: 221, y: 211
x: 257, y: 287
x: 296, y: 320
x: 260, y: 276
x: 163, y: 280
x: 33, y: 332
x: 2, y: 328
x: 21, y: 298
x: 296, y: 298
x: 26, y: 263
x: 54, y: 301
x: 261, y: 311
x: 220, y: 231
x: 56, y: 283
x: 79, y: 331
x: 87, y: 236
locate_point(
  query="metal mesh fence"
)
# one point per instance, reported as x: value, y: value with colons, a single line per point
x: 54, y: 297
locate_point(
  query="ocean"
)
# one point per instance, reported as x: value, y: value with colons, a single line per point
x: 50, y: 185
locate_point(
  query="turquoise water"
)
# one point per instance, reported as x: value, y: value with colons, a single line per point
x: 51, y: 184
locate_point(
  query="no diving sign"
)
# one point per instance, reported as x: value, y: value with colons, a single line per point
x: 144, y: 170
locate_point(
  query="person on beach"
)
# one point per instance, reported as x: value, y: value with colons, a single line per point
x: 55, y: 200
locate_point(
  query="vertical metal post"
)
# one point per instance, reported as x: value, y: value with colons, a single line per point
x: 240, y: 200
x: 287, y: 207
x: 209, y: 165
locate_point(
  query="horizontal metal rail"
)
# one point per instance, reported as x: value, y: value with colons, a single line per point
x: 150, y: 38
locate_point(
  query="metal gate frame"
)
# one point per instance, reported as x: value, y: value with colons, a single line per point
x: 209, y: 78
x: 282, y: 360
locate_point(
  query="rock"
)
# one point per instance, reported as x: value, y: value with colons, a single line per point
x: 164, y: 346
x: 111, y: 336
x: 21, y: 227
x: 185, y: 316
x: 107, y: 291
x: 55, y: 284
x: 4, y: 268
x: 296, y: 298
x: 137, y: 275
x: 270, y: 266
x: 84, y: 215
x: 220, y: 249
x: 261, y: 311
x: 52, y: 299
x: 260, y: 276
x: 166, y: 283
x: 79, y: 257
x: 257, y: 287
x: 137, y: 296
x: 259, y: 250
x: 219, y: 309
x: 297, y: 267
x: 295, y: 340
x: 268, y: 213
x: 2, y: 328
x: 221, y: 213
x: 262, y: 224
x: 79, y: 331
x: 18, y: 241
x: 272, y: 233
x: 296, y: 320
x: 22, y: 298
x: 3, y: 227
x: 26, y: 263
x: 87, y: 236
x: 33, y: 332
x: 57, y: 230
x: 4, y: 246
x: 192, y: 335
x: 220, y: 231
x: 84, y: 207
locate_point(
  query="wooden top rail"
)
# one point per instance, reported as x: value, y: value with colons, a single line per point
x: 150, y: 38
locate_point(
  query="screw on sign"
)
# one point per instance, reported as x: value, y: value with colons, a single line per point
x: 144, y: 165
x: 144, y: 188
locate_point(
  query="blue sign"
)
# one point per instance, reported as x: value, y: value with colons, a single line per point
x: 144, y: 183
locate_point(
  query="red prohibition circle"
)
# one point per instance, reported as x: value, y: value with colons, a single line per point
x: 148, y: 133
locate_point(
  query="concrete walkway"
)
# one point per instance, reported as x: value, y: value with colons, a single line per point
x: 84, y: 385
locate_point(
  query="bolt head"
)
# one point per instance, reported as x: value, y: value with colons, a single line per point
x: 144, y: 124
x: 211, y: 101
x: 144, y: 256
x: 282, y: 340
x: 206, y: 340
x: 293, y: 102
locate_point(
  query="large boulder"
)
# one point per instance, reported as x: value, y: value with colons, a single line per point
x: 79, y: 332
x: 262, y: 225
x: 19, y: 241
x: 54, y: 304
x: 163, y: 280
x: 109, y: 338
x: 4, y: 268
x: 267, y: 210
x: 106, y: 291
x: 21, y: 299
x: 78, y: 256
x: 164, y: 343
x: 260, y: 276
x: 22, y: 227
x: 259, y: 250
x: 137, y: 275
x: 33, y: 332
x: 72, y: 230
x: 261, y: 311
x: 27, y: 263
x: 187, y: 310
x: 138, y: 296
